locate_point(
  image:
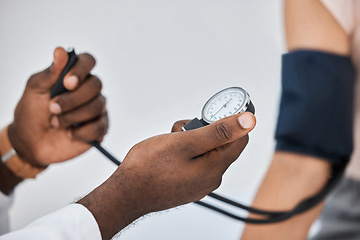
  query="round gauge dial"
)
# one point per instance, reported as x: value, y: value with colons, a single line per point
x: 225, y: 103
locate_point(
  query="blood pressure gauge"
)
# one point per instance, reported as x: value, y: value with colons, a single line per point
x: 225, y: 103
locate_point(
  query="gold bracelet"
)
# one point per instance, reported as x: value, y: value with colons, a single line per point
x: 11, y: 159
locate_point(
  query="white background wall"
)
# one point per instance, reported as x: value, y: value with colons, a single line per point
x: 159, y: 61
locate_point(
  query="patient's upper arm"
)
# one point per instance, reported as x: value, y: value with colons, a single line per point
x: 309, y: 25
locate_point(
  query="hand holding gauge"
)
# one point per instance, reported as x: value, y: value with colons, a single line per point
x: 227, y: 102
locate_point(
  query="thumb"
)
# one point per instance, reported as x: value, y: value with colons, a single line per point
x: 60, y: 60
x: 219, y: 133
x: 44, y: 80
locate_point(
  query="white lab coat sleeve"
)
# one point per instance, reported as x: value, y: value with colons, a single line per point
x: 73, y: 222
x: 5, y: 203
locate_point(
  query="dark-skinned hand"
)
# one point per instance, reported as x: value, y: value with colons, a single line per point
x: 42, y: 132
x: 168, y: 170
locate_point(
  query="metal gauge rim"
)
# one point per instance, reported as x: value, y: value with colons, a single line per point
x: 242, y: 108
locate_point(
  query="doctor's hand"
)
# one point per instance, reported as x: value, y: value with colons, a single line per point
x: 42, y: 131
x: 168, y: 170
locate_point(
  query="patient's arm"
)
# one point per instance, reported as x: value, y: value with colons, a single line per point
x: 292, y: 177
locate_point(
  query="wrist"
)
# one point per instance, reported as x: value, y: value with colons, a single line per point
x: 12, y: 159
x: 18, y: 144
x: 21, y: 148
x: 114, y: 204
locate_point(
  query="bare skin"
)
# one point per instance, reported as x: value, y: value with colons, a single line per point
x: 42, y: 131
x: 292, y: 177
x: 166, y: 171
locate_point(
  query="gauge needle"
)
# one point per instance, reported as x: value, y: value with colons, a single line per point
x: 221, y: 108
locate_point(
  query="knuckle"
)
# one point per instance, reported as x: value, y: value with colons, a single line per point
x: 223, y: 132
x: 65, y: 120
x: 105, y: 122
x: 241, y: 143
x: 98, y: 105
x: 32, y: 82
x: 136, y: 150
x: 33, y: 77
x: 213, y: 183
x: 91, y: 59
x: 65, y: 102
x: 216, y: 183
x: 245, y: 139
x: 135, y: 147
x: 233, y: 155
x: 96, y: 83
x: 105, y: 119
x: 83, y: 71
x: 104, y: 100
x: 100, y: 129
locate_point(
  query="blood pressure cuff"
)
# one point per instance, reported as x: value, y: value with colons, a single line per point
x: 316, y: 107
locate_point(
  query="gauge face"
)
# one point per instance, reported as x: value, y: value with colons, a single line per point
x: 225, y: 103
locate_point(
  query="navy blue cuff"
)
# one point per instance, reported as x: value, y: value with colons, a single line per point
x: 316, y: 107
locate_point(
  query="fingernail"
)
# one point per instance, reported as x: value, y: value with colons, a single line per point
x: 71, y: 82
x: 55, y: 108
x: 55, y: 122
x: 246, y: 121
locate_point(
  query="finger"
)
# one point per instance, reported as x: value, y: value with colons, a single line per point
x: 68, y: 101
x: 228, y: 153
x: 219, y: 133
x: 85, y: 113
x: 79, y: 72
x: 94, y: 130
x: 43, y: 81
x: 217, y: 161
x: 177, y: 127
x: 60, y: 59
